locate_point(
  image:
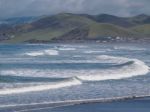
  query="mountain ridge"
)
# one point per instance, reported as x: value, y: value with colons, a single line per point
x: 72, y: 27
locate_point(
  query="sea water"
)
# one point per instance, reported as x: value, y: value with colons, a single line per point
x: 40, y: 73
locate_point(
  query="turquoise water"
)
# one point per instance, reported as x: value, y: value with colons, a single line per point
x: 42, y: 73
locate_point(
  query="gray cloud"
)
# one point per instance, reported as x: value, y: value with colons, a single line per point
x: 13, y: 8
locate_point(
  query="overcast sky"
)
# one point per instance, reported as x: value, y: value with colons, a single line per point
x: 15, y: 8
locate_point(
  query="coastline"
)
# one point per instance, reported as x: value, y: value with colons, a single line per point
x: 132, y: 105
x: 147, y: 40
x: 48, y: 106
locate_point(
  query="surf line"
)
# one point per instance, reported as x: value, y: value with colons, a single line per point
x: 49, y: 105
x: 61, y: 84
x: 129, y: 68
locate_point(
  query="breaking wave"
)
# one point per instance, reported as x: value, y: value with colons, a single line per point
x: 67, y: 49
x: 41, y: 53
x: 128, y: 68
x: 122, y: 68
x: 129, y: 48
x: 67, y: 83
x: 98, y: 51
x: 119, y: 67
x: 90, y: 52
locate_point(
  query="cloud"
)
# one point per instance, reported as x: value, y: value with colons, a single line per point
x: 12, y: 8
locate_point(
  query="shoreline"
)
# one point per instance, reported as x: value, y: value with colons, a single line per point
x: 59, y: 104
x: 78, y: 42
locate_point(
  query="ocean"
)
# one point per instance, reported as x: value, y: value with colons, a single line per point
x: 33, y: 74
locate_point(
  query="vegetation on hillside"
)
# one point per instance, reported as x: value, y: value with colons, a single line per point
x: 67, y: 26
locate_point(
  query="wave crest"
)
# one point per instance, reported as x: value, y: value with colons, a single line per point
x: 122, y: 68
x: 61, y: 84
x: 41, y: 53
x: 128, y: 68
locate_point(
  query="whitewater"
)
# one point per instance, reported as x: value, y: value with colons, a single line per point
x: 66, y: 72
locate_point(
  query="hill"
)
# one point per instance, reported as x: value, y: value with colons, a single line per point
x: 143, y: 29
x: 121, y: 21
x: 78, y: 27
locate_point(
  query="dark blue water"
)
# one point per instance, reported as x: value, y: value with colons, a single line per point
x: 60, y: 72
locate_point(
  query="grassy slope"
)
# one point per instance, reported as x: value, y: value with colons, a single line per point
x: 41, y: 34
x: 109, y: 30
x: 144, y: 29
x: 66, y: 23
x: 70, y: 22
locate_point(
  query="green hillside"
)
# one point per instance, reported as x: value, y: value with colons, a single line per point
x: 109, y: 30
x: 71, y: 27
x: 143, y: 29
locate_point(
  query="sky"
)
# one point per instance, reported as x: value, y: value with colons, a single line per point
x: 18, y: 8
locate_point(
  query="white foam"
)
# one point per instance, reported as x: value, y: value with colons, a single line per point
x: 98, y: 51
x: 128, y: 48
x: 67, y: 49
x: 41, y: 53
x: 57, y: 85
x: 112, y: 59
x: 134, y: 69
x: 94, y: 51
x: 51, y: 52
x: 34, y: 53
x: 126, y: 68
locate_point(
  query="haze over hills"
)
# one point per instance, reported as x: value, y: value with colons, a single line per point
x: 17, y: 20
x: 78, y: 27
